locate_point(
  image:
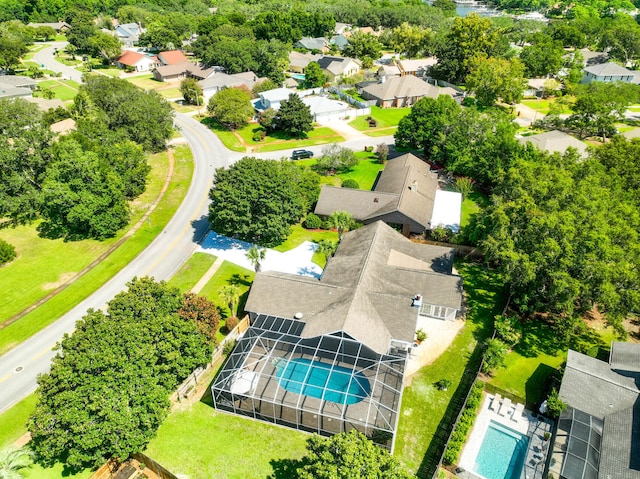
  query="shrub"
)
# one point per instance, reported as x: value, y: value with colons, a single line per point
x: 464, y: 186
x: 421, y: 334
x: 462, y: 428
x: 444, y: 384
x: 259, y: 135
x: 312, y: 222
x: 382, y: 151
x: 350, y: 183
x: 7, y: 252
x: 494, y: 355
x: 555, y: 405
x: 508, y: 329
x: 228, y: 347
x: 440, y: 233
x: 230, y: 323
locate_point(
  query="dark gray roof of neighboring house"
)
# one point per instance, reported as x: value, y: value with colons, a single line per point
x: 366, y: 289
x: 192, y: 69
x: 593, y: 58
x: 17, y: 81
x: 312, y: 43
x: 8, y: 91
x: 301, y: 60
x: 221, y: 80
x: 405, y: 87
x: 592, y: 386
x: 335, y: 65
x: 625, y: 357
x: 608, y: 69
x: 405, y: 185
x: 555, y: 141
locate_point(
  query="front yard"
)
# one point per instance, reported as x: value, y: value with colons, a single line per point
x: 387, y: 121
x: 364, y: 173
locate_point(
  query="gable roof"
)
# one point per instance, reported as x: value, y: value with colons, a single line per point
x: 196, y: 71
x: 555, y: 141
x: 405, y: 87
x: 301, y: 60
x: 131, y: 58
x: 336, y: 65
x: 416, y: 65
x: 313, y: 43
x: 366, y: 288
x: 128, y: 30
x: 172, y: 57
x: 608, y: 69
x: 593, y: 388
x: 17, y: 81
x: 406, y: 185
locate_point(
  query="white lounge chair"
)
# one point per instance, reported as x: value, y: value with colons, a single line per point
x: 517, y: 414
x: 494, y: 405
x: 505, y: 407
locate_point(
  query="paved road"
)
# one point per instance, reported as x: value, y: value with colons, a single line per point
x: 20, y: 366
x: 45, y: 57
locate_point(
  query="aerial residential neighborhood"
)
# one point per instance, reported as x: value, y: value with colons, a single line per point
x: 328, y: 239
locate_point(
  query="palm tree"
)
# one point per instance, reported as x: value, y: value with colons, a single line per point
x: 326, y: 248
x: 256, y: 255
x: 12, y: 461
x: 341, y: 220
x: 230, y: 293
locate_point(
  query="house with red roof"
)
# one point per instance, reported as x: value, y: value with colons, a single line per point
x: 138, y: 61
x: 171, y: 57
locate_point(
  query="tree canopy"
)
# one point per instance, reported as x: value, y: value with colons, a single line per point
x: 258, y: 200
x: 293, y: 117
x: 232, y: 107
x: 109, y: 384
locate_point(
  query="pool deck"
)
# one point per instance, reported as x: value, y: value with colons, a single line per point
x: 515, y: 417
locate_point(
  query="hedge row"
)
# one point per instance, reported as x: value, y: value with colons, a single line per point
x: 467, y: 418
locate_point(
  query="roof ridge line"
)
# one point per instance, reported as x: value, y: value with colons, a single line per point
x: 605, y: 379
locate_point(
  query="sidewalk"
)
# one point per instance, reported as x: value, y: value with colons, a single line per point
x: 343, y: 128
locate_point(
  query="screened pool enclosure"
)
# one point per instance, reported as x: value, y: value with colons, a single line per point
x: 326, y: 384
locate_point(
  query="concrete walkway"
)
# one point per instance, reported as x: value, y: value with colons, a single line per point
x: 344, y: 129
x: 208, y: 275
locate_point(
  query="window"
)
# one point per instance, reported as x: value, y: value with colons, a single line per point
x: 433, y: 311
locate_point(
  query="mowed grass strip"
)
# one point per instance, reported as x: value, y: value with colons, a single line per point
x: 364, y: 173
x: 426, y: 413
x: 190, y: 273
x: 43, y: 264
x: 387, y: 121
x: 63, y: 89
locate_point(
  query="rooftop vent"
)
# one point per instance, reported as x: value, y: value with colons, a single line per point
x: 375, y: 200
x: 298, y: 315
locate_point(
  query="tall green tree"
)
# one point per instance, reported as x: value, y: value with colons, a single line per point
x: 105, y: 45
x: 494, y: 79
x: 231, y: 107
x: 349, y: 455
x: 543, y: 57
x: 258, y: 200
x: 191, y: 91
x: 362, y: 45
x: 230, y: 294
x: 293, y: 117
x: 256, y: 256
x: 109, y: 384
x: 313, y: 76
x: 342, y: 221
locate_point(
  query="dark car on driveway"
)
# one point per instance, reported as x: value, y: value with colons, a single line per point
x: 301, y: 154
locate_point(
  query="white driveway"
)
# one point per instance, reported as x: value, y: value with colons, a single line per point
x: 295, y: 261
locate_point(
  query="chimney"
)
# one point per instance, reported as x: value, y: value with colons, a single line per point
x: 414, y: 186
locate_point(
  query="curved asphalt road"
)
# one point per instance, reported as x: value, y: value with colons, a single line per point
x: 20, y: 367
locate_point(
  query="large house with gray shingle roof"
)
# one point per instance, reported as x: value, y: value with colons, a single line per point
x: 598, y: 434
x: 328, y: 355
x: 405, y: 194
x: 403, y: 91
x: 555, y: 141
x: 608, y: 72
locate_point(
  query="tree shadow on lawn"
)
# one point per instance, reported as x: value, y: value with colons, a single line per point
x: 538, y: 337
x: 540, y: 383
x: 284, y: 468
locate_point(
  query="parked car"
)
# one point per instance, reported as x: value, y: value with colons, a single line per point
x: 301, y: 154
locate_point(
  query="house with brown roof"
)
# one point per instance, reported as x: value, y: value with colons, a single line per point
x: 402, y: 91
x: 299, y: 61
x: 138, y: 61
x: 214, y: 83
x: 416, y: 67
x: 405, y: 194
x: 182, y: 70
x: 328, y: 355
x: 171, y: 57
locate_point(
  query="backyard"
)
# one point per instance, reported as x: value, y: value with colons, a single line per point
x: 242, y: 138
x: 147, y: 82
x: 64, y: 90
x: 387, y: 121
x: 364, y: 173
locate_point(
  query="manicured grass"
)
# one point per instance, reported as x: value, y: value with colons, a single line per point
x: 427, y: 414
x: 229, y: 273
x: 191, y: 272
x: 473, y: 203
x: 242, y: 138
x: 147, y: 82
x: 387, y: 118
x: 543, y: 105
x: 365, y: 172
x: 201, y: 443
x: 300, y: 235
x: 43, y: 264
x: 63, y: 89
x: 14, y: 420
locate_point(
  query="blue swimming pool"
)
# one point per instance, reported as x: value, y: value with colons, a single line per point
x: 502, y: 453
x: 298, y: 76
x: 320, y: 380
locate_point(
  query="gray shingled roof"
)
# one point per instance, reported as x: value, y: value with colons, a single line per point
x: 406, y: 185
x: 366, y: 289
x: 555, y: 141
x: 593, y: 387
x: 405, y: 87
x: 608, y: 69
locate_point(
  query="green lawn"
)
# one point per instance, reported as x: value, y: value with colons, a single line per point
x: 191, y: 272
x: 14, y: 420
x: 42, y: 264
x: 471, y: 205
x: 147, y: 82
x: 201, y: 443
x: 274, y: 142
x: 427, y: 414
x: 543, y: 105
x: 365, y: 172
x: 387, y: 118
x: 63, y: 89
x: 300, y: 235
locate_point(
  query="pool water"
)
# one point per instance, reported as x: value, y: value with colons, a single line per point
x: 502, y: 453
x: 298, y: 76
x: 319, y: 380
